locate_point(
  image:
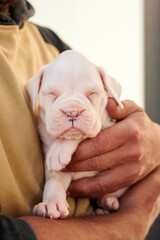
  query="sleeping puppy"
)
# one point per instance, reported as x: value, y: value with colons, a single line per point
x: 72, y: 97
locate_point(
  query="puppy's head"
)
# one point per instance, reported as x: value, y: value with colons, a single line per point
x: 72, y: 95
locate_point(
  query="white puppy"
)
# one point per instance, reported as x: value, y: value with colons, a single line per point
x: 72, y: 97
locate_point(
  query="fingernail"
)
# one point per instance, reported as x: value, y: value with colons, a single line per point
x: 121, y: 105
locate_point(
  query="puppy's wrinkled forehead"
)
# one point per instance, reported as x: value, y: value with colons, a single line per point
x: 72, y: 70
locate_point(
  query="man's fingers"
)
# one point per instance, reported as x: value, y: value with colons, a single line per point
x: 107, y: 140
x: 105, y: 182
x: 121, y: 155
x: 118, y: 113
x: 110, y: 138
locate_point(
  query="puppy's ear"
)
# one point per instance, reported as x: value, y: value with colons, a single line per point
x: 33, y: 87
x: 111, y: 86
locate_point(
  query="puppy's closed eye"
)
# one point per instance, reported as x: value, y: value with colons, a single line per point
x: 91, y: 95
x: 53, y: 96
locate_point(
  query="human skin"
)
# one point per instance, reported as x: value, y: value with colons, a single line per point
x: 129, y: 150
x: 139, y: 207
x: 6, y: 4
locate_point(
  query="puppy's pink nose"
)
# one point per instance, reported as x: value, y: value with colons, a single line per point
x: 72, y: 113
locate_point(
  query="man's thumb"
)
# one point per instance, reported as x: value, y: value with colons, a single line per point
x: 118, y: 113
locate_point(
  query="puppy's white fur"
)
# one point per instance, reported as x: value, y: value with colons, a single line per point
x: 72, y: 97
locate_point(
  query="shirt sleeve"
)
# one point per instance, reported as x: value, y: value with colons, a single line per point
x: 51, y: 37
x: 15, y: 229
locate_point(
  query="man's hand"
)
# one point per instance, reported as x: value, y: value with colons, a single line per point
x: 143, y: 201
x: 139, y: 207
x: 124, y: 153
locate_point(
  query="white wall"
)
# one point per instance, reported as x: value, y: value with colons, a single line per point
x: 108, y: 32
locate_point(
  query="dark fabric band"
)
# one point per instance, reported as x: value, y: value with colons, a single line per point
x: 15, y: 229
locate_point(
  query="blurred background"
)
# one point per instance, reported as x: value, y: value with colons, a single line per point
x: 108, y: 32
x: 123, y: 36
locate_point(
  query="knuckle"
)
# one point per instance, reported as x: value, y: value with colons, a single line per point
x: 135, y: 154
x: 132, y: 175
x: 80, y: 187
x: 100, y: 143
x: 103, y: 187
x: 98, y: 163
x: 138, y: 170
x: 134, y: 134
x: 85, y: 189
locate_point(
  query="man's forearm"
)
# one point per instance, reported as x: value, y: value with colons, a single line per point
x: 139, y: 207
x: 110, y: 227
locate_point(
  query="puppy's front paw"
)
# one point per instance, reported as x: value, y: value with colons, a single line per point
x: 52, y: 210
x: 57, y: 158
x: 110, y: 203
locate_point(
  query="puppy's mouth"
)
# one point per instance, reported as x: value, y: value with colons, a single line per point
x: 73, y: 130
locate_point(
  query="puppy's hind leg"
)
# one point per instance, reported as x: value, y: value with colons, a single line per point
x: 54, y: 204
x: 109, y: 202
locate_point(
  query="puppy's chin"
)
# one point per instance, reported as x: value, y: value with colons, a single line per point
x: 72, y: 133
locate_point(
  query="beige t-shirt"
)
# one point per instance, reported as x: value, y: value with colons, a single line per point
x: 22, y: 53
